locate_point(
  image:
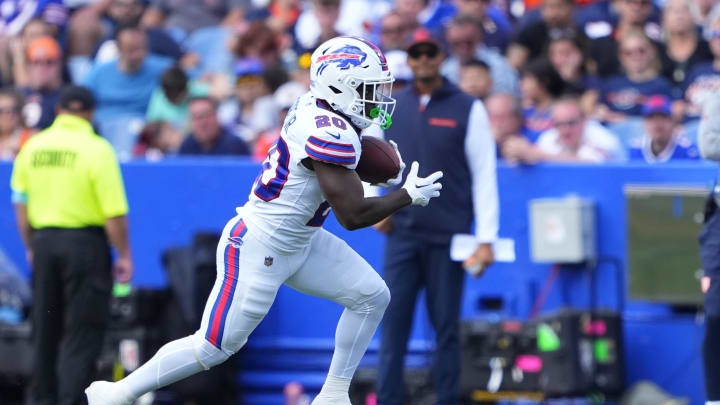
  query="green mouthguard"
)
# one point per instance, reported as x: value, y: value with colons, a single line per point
x: 375, y: 112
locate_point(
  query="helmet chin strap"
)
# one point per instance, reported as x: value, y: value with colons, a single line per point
x: 359, y: 122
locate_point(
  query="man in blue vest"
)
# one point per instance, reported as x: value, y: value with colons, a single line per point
x: 447, y: 130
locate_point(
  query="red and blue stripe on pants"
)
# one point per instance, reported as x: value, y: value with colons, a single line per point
x: 216, y: 325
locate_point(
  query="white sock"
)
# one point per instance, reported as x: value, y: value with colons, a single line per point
x: 335, y: 386
x: 176, y: 360
x: 712, y: 403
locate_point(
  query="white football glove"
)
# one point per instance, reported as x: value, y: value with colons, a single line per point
x: 397, y: 179
x: 422, y: 189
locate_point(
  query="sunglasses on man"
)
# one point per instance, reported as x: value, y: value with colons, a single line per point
x: 417, y: 52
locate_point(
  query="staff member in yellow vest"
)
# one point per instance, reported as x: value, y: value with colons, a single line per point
x: 69, y: 200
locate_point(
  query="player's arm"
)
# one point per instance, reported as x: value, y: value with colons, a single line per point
x: 344, y: 191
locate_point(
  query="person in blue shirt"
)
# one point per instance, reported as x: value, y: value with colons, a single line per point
x: 207, y: 136
x: 660, y: 143
x: 540, y: 85
x: 123, y: 89
x: 622, y: 96
x: 703, y: 81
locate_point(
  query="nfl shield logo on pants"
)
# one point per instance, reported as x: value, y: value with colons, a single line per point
x: 268, y: 261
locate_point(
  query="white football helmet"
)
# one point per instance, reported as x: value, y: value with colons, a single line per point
x: 352, y: 75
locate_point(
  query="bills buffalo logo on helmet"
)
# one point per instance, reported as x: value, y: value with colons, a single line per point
x: 344, y: 57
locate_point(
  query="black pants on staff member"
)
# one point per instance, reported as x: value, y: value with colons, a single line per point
x: 72, y: 283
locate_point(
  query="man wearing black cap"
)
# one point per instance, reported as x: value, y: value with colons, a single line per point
x: 447, y: 130
x: 69, y: 201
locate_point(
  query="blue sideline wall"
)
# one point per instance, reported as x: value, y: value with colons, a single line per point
x: 172, y: 200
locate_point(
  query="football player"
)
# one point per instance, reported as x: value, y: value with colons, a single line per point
x: 277, y: 236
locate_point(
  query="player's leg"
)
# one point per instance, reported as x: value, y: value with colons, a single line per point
x: 333, y: 270
x: 444, y: 288
x: 239, y: 300
x: 401, y: 271
x: 174, y: 361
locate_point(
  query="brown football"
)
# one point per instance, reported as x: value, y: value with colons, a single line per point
x: 378, y: 161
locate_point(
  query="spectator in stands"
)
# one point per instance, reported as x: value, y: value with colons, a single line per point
x: 259, y: 41
x: 540, y: 85
x: 395, y: 28
x: 182, y: 17
x: 412, y: 9
x: 530, y: 41
x: 157, y: 140
x: 15, y: 16
x: 476, y: 79
x: 280, y: 15
x: 202, y: 28
x: 506, y: 121
x: 682, y: 47
x: 14, y: 65
x: 123, y: 89
x: 447, y: 130
x: 494, y: 24
x: 251, y: 110
x: 660, y: 142
x: 93, y: 29
x: 575, y: 139
x: 622, y: 96
x: 464, y: 38
x: 568, y: 56
x: 122, y: 13
x: 44, y: 79
x: 12, y: 131
x: 169, y: 102
x: 703, y: 81
x: 317, y: 25
x: 632, y: 15
x: 208, y: 137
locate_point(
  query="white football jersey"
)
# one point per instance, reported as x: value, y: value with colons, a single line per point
x: 286, y: 205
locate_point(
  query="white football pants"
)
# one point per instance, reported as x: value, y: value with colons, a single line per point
x: 249, y: 275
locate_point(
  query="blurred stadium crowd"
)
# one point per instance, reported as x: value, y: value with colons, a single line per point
x: 215, y: 77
